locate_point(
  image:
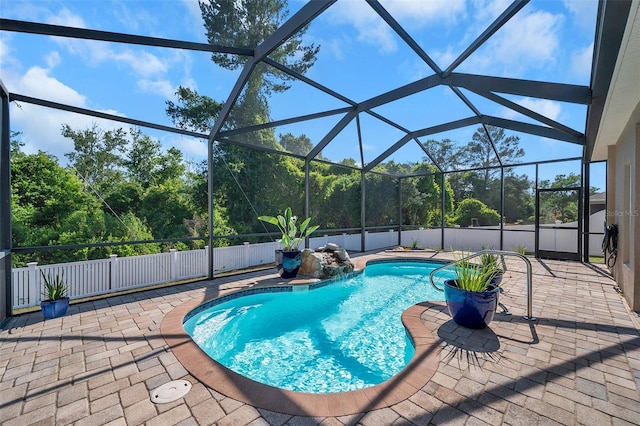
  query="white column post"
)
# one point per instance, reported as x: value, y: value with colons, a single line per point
x: 173, y: 264
x: 206, y: 260
x: 245, y: 254
x: 34, y: 287
x: 113, y: 271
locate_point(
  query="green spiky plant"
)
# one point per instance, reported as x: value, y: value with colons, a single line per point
x: 521, y: 249
x: 471, y: 277
x: 54, y: 288
x: 292, y: 234
x: 489, y: 262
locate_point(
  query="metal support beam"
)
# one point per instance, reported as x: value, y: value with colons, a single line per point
x: 532, y: 129
x: 332, y: 134
x: 211, y: 209
x: 610, y: 28
x: 289, y: 28
x: 493, y: 145
x: 307, y: 80
x: 307, y: 195
x: 6, y: 288
x: 64, y: 107
x: 375, y: 5
x: 388, y: 152
x: 87, y: 34
x: 363, y: 216
x: 255, y: 128
x: 231, y: 100
x: 502, y: 218
x: 531, y: 114
x: 570, y: 93
x: 401, y: 92
x: 482, y: 38
x: 471, y: 121
x: 443, y: 199
x: 399, y: 180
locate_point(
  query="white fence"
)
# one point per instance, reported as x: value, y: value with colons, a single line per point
x: 95, y: 277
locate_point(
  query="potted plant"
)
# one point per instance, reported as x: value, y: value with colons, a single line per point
x: 472, y: 297
x: 292, y: 236
x: 56, y: 302
x: 489, y: 263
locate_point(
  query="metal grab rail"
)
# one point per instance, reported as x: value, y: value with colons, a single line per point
x: 529, y: 315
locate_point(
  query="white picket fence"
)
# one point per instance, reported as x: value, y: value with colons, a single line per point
x: 104, y: 276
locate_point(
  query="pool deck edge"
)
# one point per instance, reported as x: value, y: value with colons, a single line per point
x: 398, y: 388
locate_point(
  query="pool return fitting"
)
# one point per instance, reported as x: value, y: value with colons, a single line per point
x: 529, y: 315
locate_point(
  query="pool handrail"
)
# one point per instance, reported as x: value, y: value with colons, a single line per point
x: 529, y: 315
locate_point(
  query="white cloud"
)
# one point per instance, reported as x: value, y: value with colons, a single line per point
x: 545, y: 107
x: 583, y: 12
x: 41, y: 126
x: 6, y: 60
x: 52, y: 59
x: 191, y: 148
x: 374, y: 30
x: 419, y: 13
x: 143, y: 63
x: 66, y: 18
x: 371, y: 29
x: 38, y: 83
x: 486, y: 11
x: 526, y: 41
x: 581, y: 62
x: 193, y: 8
x: 161, y: 88
x: 97, y: 53
x: 444, y: 58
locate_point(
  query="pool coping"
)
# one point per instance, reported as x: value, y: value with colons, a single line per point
x: 398, y: 388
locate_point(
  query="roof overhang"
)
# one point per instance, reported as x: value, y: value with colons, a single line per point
x: 616, y: 75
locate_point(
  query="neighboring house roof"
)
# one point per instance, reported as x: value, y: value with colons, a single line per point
x: 599, y: 198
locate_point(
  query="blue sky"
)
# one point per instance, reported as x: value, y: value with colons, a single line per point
x: 360, y: 57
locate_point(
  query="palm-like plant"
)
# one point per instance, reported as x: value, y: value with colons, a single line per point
x: 471, y: 277
x: 292, y: 234
x: 55, y: 288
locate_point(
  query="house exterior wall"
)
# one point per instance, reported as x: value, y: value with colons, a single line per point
x: 623, y: 202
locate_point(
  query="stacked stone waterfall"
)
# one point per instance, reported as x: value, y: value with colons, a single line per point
x: 325, y: 262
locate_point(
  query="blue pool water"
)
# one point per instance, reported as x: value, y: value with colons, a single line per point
x: 343, y: 336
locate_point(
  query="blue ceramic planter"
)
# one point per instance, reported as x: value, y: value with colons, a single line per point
x: 291, y: 261
x: 471, y: 309
x: 54, y: 308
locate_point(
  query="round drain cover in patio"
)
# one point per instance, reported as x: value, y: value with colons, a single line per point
x: 170, y: 391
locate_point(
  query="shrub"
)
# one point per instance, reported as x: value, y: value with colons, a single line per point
x: 471, y: 208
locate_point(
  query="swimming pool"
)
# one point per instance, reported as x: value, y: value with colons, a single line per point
x: 338, y: 336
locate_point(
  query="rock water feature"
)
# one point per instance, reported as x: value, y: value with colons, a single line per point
x: 325, y: 262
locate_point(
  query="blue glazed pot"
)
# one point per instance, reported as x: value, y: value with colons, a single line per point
x: 471, y: 309
x: 291, y: 261
x: 54, y: 308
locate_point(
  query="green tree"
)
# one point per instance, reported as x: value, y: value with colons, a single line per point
x: 561, y: 205
x: 300, y: 145
x: 48, y: 202
x: 247, y: 23
x: 479, y: 153
x: 422, y: 197
x: 97, y: 155
x: 445, y: 153
x: 471, y: 208
x: 193, y: 111
x: 518, y: 197
x: 381, y: 198
x: 169, y: 221
x: 142, y: 159
x: 146, y: 164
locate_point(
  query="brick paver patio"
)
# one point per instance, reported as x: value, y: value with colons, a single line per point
x: 577, y: 364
